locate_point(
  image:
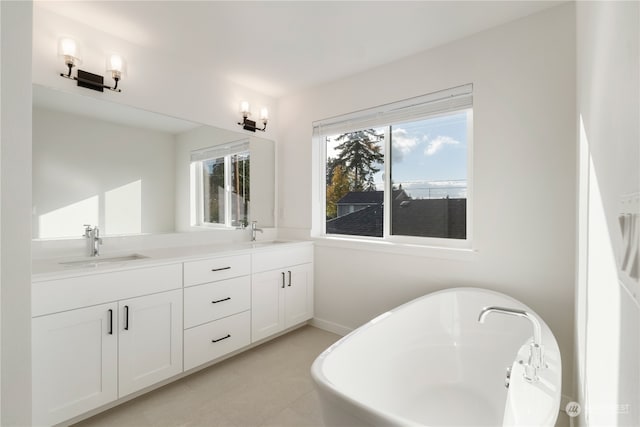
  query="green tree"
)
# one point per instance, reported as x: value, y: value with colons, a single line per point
x: 359, y: 153
x: 336, y: 190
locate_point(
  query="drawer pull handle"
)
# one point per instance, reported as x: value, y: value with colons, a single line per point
x: 220, y: 269
x: 289, y: 278
x: 223, y: 338
x: 221, y: 300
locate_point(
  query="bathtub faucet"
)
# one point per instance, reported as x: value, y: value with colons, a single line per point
x: 536, y: 356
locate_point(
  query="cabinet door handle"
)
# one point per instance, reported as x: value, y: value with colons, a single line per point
x: 289, y: 278
x: 283, y: 280
x: 126, y: 317
x: 223, y: 338
x: 221, y: 268
x: 110, y: 322
x: 221, y: 300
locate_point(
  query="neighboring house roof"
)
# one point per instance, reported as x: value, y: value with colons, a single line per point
x: 365, y: 222
x: 430, y: 218
x: 427, y: 218
x: 361, y: 197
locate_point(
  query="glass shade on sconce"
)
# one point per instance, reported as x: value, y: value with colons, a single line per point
x: 245, y: 109
x: 264, y: 115
x: 115, y: 65
x: 68, y: 49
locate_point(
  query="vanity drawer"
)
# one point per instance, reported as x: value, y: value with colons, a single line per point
x: 52, y: 296
x: 213, y: 269
x: 281, y: 258
x: 212, y: 301
x: 207, y: 342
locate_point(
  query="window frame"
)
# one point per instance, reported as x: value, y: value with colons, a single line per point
x: 388, y: 240
x: 196, y: 170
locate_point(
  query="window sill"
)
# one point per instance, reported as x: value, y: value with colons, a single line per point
x: 456, y: 254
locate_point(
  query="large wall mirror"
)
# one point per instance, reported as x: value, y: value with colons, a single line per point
x: 130, y: 171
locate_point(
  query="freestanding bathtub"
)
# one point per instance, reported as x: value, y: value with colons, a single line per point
x: 430, y: 362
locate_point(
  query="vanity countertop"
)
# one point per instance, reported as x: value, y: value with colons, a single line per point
x: 65, y: 267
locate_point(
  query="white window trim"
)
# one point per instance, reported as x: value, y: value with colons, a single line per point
x: 224, y: 151
x: 428, y: 246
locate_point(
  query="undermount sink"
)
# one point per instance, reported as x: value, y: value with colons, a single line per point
x: 93, y: 262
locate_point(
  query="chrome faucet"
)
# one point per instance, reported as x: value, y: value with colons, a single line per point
x: 92, y: 234
x: 536, y: 350
x: 254, y: 229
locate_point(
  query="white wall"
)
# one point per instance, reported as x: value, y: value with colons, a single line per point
x: 91, y: 171
x: 15, y: 211
x: 523, y: 172
x: 608, y: 313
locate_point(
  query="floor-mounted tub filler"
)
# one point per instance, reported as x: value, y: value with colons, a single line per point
x: 458, y: 357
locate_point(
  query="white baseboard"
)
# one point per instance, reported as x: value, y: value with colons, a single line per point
x: 330, y: 326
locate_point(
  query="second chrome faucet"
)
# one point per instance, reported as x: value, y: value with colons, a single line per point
x: 254, y: 229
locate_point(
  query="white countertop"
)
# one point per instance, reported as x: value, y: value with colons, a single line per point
x: 52, y: 268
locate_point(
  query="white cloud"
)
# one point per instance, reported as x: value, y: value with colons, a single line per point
x: 438, y: 144
x: 402, y: 143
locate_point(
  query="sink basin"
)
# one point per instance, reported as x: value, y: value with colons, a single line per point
x: 94, y: 262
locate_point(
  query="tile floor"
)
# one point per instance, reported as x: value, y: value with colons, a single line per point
x: 269, y: 385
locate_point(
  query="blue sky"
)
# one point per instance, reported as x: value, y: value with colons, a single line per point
x: 429, y: 157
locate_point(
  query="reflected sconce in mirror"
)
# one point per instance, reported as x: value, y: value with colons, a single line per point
x: 68, y: 49
x: 248, y: 124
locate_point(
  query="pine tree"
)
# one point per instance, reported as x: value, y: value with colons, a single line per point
x: 359, y: 153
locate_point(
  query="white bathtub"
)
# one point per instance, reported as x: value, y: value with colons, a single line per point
x: 429, y: 362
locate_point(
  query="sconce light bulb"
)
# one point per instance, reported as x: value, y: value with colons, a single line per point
x: 264, y: 114
x: 115, y: 64
x: 68, y: 49
x: 244, y: 109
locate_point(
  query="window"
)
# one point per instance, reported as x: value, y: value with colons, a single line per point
x: 220, y: 183
x: 400, y: 172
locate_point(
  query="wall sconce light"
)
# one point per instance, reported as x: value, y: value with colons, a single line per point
x: 68, y: 49
x: 248, y: 124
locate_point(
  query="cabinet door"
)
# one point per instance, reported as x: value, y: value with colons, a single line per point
x: 298, y: 306
x: 74, y: 356
x: 267, y: 304
x: 150, y: 333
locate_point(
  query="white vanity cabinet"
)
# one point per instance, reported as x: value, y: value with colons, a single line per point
x: 100, y: 336
x: 281, y: 289
x: 217, y: 304
x: 75, y: 362
x: 85, y: 357
x: 149, y: 340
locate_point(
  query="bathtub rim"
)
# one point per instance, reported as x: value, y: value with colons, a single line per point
x: 371, y: 414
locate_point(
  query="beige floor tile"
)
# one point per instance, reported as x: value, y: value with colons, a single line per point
x: 289, y: 418
x: 268, y: 384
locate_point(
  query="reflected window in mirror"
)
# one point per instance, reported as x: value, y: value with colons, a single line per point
x: 220, y: 185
